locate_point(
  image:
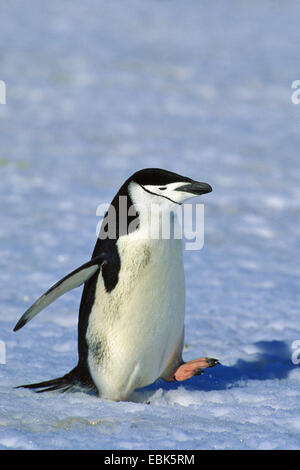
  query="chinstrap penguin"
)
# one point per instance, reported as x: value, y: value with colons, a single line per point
x: 131, y: 315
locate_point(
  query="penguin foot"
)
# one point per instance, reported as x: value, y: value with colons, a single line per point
x: 189, y: 369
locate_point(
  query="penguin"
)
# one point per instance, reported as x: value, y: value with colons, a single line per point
x: 131, y: 314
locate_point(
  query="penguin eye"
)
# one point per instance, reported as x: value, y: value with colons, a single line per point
x: 163, y: 188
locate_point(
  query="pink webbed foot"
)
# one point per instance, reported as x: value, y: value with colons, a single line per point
x: 195, y: 367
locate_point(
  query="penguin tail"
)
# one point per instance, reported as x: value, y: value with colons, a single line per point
x: 71, y: 382
x: 61, y: 384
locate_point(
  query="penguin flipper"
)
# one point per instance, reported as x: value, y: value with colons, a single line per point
x: 70, y: 281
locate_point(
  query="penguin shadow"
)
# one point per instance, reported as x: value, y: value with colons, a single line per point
x: 271, y: 361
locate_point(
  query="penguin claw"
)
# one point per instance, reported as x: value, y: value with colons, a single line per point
x: 212, y: 362
x: 198, y: 372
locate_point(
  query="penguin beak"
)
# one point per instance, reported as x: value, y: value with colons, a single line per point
x: 195, y: 187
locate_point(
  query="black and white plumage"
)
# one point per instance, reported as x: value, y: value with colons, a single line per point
x: 131, y: 316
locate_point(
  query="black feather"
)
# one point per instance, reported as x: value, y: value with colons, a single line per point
x: 77, y: 379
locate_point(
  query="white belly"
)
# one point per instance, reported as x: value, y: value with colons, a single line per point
x: 135, y: 333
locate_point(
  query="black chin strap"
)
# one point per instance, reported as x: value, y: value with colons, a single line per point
x: 159, y: 195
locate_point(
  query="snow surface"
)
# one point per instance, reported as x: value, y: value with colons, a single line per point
x: 95, y: 91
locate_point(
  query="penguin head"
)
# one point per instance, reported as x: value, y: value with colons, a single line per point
x: 145, y: 196
x: 164, y: 185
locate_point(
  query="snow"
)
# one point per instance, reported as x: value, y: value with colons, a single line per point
x: 95, y: 91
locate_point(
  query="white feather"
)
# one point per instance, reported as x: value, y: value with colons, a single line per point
x: 135, y: 333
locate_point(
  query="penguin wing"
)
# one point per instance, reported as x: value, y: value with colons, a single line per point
x: 70, y: 281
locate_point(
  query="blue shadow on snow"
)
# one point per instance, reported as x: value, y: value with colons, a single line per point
x: 272, y: 361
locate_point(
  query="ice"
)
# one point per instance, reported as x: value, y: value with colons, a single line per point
x: 95, y: 91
